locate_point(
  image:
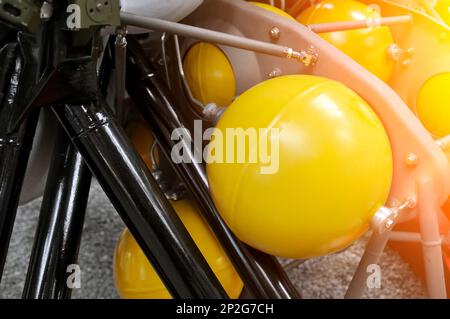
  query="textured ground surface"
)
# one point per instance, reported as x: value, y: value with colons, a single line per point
x: 325, y: 277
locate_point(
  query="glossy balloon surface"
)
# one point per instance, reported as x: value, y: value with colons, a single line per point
x: 334, y: 167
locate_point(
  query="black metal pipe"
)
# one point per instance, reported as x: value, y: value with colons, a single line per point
x: 60, y: 225
x: 274, y: 276
x: 261, y: 273
x: 15, y: 145
x: 136, y: 196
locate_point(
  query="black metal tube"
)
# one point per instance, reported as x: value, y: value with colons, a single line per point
x: 274, y: 276
x: 15, y: 146
x: 263, y: 279
x: 136, y: 196
x: 120, y: 50
x: 60, y: 225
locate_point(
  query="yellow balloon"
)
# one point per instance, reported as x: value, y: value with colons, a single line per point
x: 334, y: 167
x: 433, y: 105
x: 209, y: 74
x: 366, y: 46
x: 272, y: 9
x: 135, y: 278
x: 443, y: 9
x: 142, y: 138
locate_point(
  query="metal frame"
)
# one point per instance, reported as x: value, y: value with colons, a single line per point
x: 100, y: 144
x: 105, y: 148
x: 15, y: 142
x: 60, y: 225
x: 137, y: 198
x: 429, y: 237
x: 261, y: 274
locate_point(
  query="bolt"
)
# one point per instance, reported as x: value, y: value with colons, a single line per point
x: 410, y: 51
x: 121, y: 40
x: 411, y: 201
x: 275, y: 73
x: 395, y: 52
x: 173, y: 196
x: 307, y: 58
x: 389, y: 224
x: 46, y: 11
x: 412, y: 159
x: 274, y: 33
x: 99, y: 6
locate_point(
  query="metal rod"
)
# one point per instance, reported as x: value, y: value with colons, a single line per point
x: 293, y: 264
x: 429, y: 7
x: 197, y: 105
x: 216, y: 37
x: 431, y: 240
x: 405, y: 236
x: 359, y: 24
x: 259, y: 272
x: 273, y: 276
x: 136, y: 196
x: 414, y: 237
x: 60, y: 225
x: 382, y: 224
x: 444, y: 143
x: 15, y: 146
x: 120, y: 46
x: 372, y: 254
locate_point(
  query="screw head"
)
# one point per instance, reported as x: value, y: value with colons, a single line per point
x: 389, y: 224
x: 395, y: 52
x: 412, y: 159
x: 46, y: 11
x: 275, y: 73
x: 274, y: 33
x: 406, y: 63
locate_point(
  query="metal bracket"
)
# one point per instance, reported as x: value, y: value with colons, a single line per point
x: 23, y: 14
x: 385, y: 218
x: 83, y: 14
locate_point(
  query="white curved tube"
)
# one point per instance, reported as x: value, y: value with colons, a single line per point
x: 172, y: 10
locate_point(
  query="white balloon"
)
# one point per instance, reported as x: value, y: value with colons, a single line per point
x: 172, y: 10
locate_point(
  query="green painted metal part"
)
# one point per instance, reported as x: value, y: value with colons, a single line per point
x: 20, y: 13
x: 98, y: 12
x: 84, y: 14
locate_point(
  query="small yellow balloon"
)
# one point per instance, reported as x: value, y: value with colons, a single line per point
x: 368, y: 46
x: 273, y: 9
x: 209, y: 74
x: 135, y: 278
x: 331, y: 170
x: 433, y: 105
x: 142, y: 138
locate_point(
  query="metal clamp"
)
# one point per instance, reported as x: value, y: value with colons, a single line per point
x: 385, y: 218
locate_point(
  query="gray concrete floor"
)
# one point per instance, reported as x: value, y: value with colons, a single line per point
x: 325, y: 277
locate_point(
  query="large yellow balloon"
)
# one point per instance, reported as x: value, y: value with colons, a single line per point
x: 209, y: 74
x: 135, y: 278
x: 368, y: 47
x: 433, y: 105
x: 273, y: 9
x: 334, y: 172
x: 443, y: 9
